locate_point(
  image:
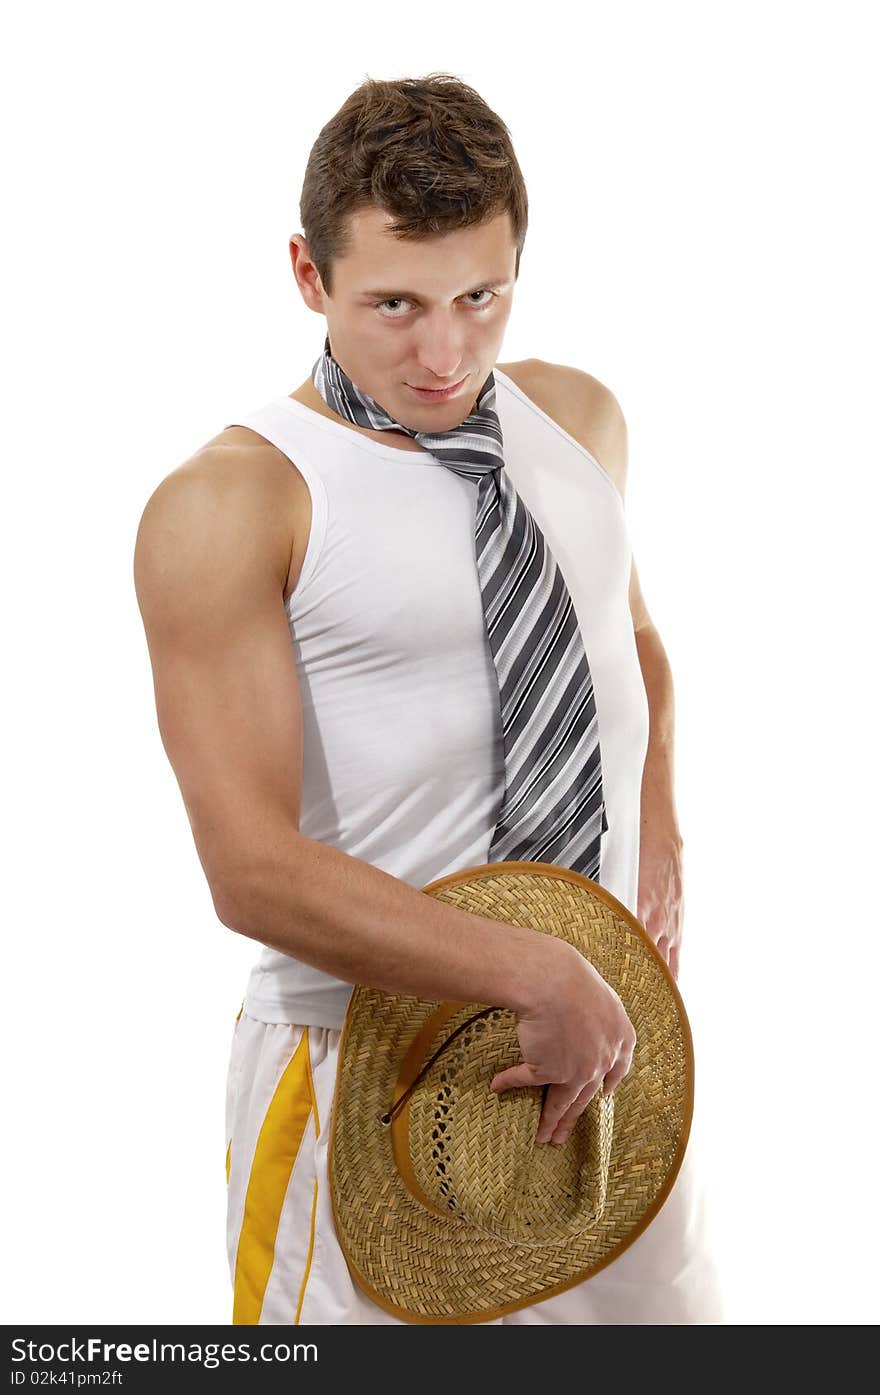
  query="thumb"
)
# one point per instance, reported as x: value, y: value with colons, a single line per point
x: 515, y: 1075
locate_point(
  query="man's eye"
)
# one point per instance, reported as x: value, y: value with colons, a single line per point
x: 398, y: 300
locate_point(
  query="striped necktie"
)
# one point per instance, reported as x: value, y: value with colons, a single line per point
x: 553, y: 808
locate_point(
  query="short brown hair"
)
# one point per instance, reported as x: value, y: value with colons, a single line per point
x: 428, y: 151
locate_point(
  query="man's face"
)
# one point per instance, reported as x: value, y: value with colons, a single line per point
x: 407, y: 315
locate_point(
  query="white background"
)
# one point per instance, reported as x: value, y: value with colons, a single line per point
x: 703, y: 239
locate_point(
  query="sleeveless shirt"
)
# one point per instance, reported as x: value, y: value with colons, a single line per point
x: 403, y: 762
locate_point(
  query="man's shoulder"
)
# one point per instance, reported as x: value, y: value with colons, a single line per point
x: 239, y: 462
x: 240, y: 470
x: 581, y: 404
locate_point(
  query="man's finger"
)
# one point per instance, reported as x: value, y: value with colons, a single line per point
x: 559, y: 1099
x: 568, y: 1120
x: 617, y: 1072
x: 522, y: 1074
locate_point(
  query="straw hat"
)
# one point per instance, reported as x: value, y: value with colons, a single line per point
x: 446, y: 1209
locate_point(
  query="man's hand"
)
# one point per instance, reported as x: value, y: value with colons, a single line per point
x: 661, y: 896
x: 575, y: 1036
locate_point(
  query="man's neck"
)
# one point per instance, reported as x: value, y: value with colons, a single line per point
x: 309, y: 396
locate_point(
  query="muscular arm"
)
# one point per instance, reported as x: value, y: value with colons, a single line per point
x: 211, y: 560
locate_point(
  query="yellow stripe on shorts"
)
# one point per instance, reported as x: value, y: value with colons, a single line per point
x: 302, y: 1292
x: 276, y: 1152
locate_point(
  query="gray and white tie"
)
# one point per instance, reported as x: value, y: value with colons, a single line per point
x: 553, y: 808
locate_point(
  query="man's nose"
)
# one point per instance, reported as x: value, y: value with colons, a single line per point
x: 439, y: 350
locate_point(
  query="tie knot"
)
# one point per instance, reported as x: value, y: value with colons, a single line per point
x: 473, y: 448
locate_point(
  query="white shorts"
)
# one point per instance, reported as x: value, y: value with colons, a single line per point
x: 285, y: 1261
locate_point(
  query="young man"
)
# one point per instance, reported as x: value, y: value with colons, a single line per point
x: 329, y: 701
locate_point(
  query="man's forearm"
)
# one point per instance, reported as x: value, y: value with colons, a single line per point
x: 658, y: 813
x: 360, y: 924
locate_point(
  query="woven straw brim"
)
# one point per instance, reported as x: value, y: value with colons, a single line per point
x: 428, y: 1268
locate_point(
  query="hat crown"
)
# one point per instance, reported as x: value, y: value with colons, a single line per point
x: 473, y: 1150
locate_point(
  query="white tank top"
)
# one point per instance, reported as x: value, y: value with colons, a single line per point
x: 403, y: 761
